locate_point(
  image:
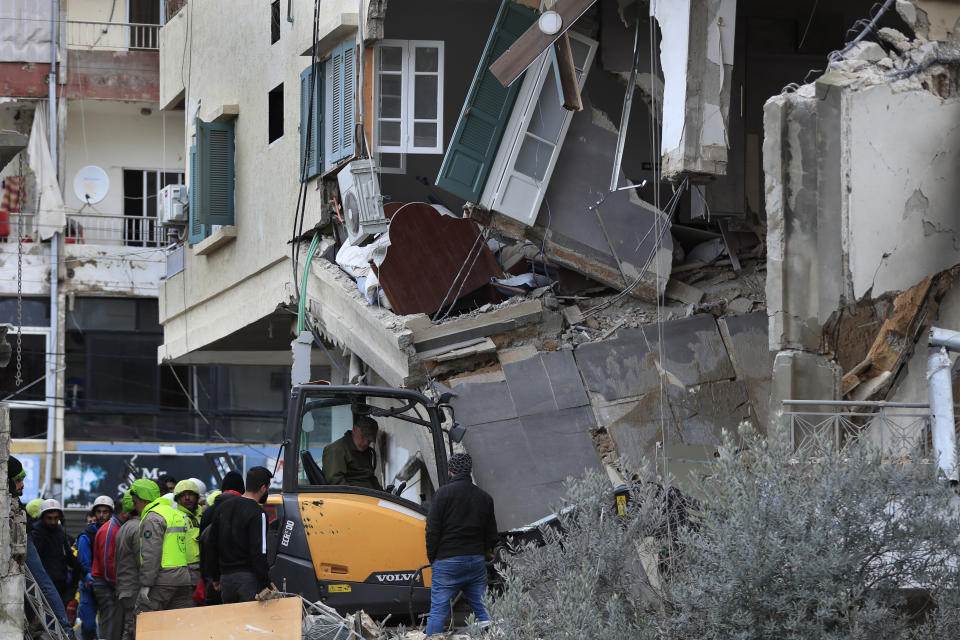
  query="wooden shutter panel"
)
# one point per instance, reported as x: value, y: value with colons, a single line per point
x: 216, y: 146
x: 471, y: 151
x: 342, y: 94
x: 197, y: 231
x: 314, y: 135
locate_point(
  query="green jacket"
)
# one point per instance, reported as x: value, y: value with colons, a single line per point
x: 343, y: 463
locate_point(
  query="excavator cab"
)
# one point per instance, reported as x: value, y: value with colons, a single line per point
x: 353, y: 547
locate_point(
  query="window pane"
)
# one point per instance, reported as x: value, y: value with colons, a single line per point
x: 103, y: 314
x: 425, y: 98
x: 389, y: 134
x: 36, y: 313
x: 534, y: 156
x: 33, y: 357
x: 391, y: 91
x: 28, y: 423
x: 386, y: 161
x: 126, y: 382
x: 391, y: 58
x: 548, y: 115
x: 580, y: 51
x: 427, y: 59
x: 425, y: 134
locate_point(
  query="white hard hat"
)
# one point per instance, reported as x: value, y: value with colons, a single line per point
x: 201, y: 485
x: 49, y: 505
x: 106, y: 501
x: 168, y: 496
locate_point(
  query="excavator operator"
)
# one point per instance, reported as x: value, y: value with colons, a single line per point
x: 351, y: 460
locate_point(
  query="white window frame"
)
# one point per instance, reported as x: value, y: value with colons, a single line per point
x: 502, y: 172
x: 408, y: 75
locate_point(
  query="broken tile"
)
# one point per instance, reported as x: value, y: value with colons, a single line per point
x: 572, y: 315
x: 740, y: 305
x: 478, y: 403
x: 626, y: 366
x: 749, y: 350
x: 682, y: 292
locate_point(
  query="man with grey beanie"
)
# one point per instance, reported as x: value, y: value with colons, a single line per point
x: 461, y: 528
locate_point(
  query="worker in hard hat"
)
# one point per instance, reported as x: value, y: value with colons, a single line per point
x: 20, y: 535
x: 53, y: 546
x: 33, y: 508
x: 87, y: 611
x: 166, y: 581
x: 187, y: 496
x: 104, y: 571
x: 127, y: 557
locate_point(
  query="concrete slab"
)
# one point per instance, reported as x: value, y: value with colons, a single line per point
x: 479, y: 403
x: 523, y: 462
x: 749, y: 350
x: 693, y: 353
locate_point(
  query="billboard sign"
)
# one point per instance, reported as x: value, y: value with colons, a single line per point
x: 87, y: 475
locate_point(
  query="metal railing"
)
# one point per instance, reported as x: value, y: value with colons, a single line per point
x: 113, y: 36
x: 96, y: 228
x: 897, y: 429
x: 131, y: 231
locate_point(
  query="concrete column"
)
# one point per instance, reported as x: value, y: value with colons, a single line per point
x: 696, y: 54
x: 798, y: 375
x: 13, y: 541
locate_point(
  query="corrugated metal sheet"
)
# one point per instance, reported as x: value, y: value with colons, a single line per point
x: 25, y: 30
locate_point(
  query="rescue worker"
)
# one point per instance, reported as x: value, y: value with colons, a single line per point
x: 238, y: 537
x: 104, y: 571
x: 127, y: 558
x: 53, y: 546
x: 351, y: 459
x: 87, y: 611
x: 165, y: 580
x: 461, y: 528
x: 187, y: 496
x: 20, y: 534
x: 33, y: 508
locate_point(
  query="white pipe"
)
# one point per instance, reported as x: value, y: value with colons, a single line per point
x: 945, y: 338
x: 941, y: 411
x: 359, y: 92
x: 53, y: 360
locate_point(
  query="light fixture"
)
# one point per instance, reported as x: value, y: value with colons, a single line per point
x: 550, y: 22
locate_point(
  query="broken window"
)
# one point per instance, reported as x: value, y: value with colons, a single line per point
x: 275, y: 113
x: 274, y: 21
x: 533, y: 137
x: 408, y: 97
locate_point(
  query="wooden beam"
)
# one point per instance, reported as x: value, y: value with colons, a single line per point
x: 521, y: 54
x: 567, y: 74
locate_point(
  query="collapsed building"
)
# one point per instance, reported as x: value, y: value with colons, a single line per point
x: 611, y: 229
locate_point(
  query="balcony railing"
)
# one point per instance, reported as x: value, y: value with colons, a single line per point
x: 113, y: 36
x: 98, y: 229
x: 130, y: 231
x: 897, y: 429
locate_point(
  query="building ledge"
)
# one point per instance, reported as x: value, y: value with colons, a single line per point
x: 224, y: 113
x: 333, y: 30
x: 214, y: 241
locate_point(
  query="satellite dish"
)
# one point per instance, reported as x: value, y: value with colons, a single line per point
x: 91, y: 184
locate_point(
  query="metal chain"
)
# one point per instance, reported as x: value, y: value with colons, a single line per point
x: 18, y: 378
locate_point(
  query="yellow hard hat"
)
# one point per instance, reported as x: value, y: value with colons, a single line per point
x: 33, y: 507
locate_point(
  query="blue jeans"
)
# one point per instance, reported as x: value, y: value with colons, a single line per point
x: 46, y: 585
x: 459, y: 573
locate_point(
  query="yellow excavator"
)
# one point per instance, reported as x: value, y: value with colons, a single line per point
x: 350, y: 547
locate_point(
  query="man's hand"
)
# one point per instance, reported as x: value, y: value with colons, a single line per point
x: 144, y: 593
x: 216, y: 585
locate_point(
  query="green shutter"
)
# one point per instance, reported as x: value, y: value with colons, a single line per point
x: 216, y: 146
x: 313, y: 165
x: 471, y: 151
x: 342, y: 95
x: 197, y: 231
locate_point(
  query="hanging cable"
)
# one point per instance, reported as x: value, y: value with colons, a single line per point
x: 302, y: 302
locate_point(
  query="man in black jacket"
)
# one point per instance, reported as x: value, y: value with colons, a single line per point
x: 231, y: 487
x: 238, y: 555
x: 461, y: 528
x: 53, y: 546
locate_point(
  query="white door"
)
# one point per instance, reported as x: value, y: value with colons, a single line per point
x: 534, y: 136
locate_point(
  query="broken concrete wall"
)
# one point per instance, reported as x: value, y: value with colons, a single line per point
x: 13, y: 544
x: 696, y: 53
x: 860, y: 212
x: 536, y: 417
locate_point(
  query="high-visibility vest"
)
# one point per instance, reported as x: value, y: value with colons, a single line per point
x: 175, y: 535
x: 193, y: 535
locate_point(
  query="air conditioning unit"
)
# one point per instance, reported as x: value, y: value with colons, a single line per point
x: 362, y: 202
x: 172, y: 205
